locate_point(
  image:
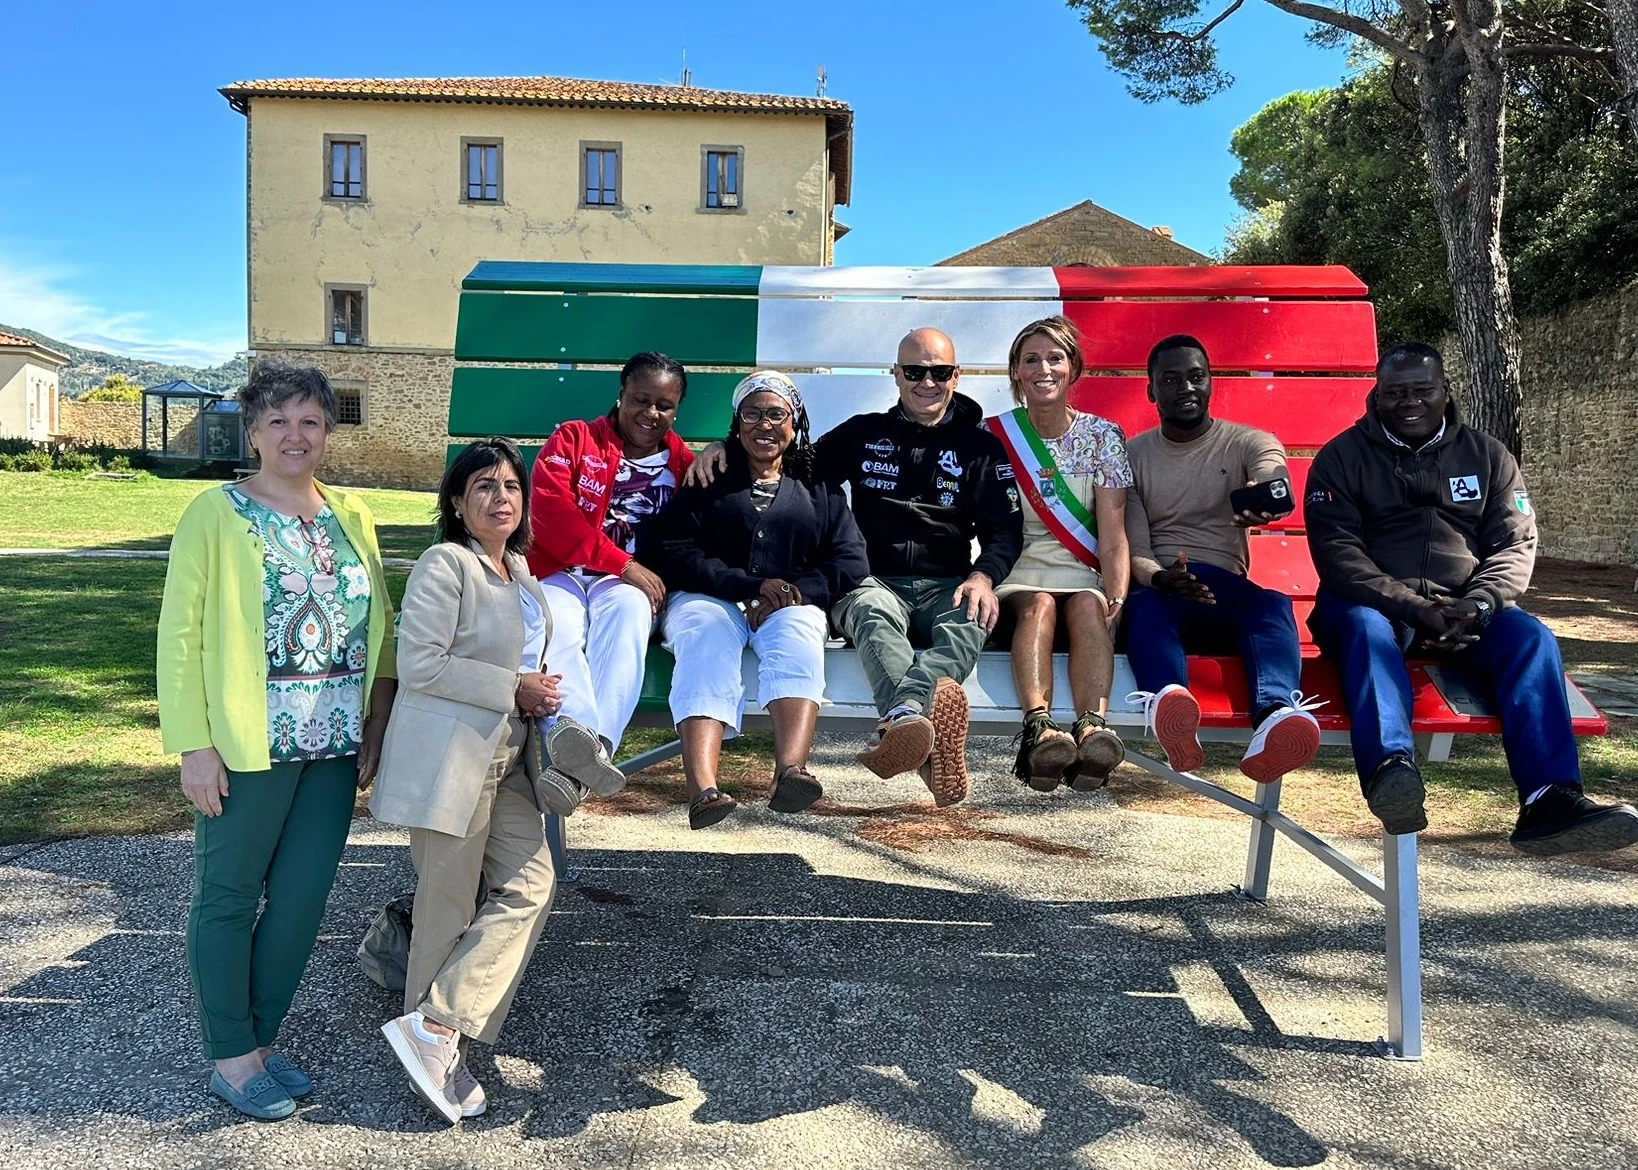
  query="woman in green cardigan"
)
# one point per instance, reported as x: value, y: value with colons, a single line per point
x: 276, y: 675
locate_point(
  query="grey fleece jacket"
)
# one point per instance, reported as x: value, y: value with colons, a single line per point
x: 1392, y: 528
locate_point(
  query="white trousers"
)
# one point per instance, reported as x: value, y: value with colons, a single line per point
x: 599, y: 644
x: 708, y: 637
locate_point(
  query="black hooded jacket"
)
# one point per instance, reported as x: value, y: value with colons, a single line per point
x: 1391, y: 528
x: 921, y: 494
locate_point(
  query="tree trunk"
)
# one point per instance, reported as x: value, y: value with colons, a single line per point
x: 1461, y: 100
x: 1623, y: 18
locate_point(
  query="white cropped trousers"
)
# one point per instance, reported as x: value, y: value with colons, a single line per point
x: 599, y: 644
x: 708, y: 637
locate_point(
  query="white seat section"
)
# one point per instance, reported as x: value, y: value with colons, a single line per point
x: 886, y: 281
x: 992, y: 707
x: 805, y: 332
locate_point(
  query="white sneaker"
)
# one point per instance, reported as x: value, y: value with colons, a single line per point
x: 1284, y: 742
x: 429, y: 1063
x: 1173, y: 714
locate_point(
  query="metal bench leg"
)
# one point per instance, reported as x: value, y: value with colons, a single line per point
x: 555, y: 841
x: 1435, y: 748
x: 659, y: 755
x: 1402, y: 903
x: 1260, y: 849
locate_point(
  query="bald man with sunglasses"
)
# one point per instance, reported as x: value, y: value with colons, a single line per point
x: 926, y: 479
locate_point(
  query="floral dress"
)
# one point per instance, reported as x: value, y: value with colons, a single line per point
x: 1090, y: 454
x: 316, y: 600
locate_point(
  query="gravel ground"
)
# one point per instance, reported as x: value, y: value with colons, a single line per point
x: 1079, y: 986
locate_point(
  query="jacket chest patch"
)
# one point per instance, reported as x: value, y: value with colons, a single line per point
x: 1464, y: 489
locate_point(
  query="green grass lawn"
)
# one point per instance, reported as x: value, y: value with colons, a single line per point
x: 79, y: 726
x: 66, y: 510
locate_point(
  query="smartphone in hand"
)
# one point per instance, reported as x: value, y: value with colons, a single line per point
x: 1273, y: 498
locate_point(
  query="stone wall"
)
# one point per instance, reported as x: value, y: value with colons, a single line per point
x: 402, y: 440
x: 1580, y: 426
x: 101, y: 424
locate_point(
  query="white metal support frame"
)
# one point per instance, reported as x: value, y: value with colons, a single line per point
x: 989, y: 690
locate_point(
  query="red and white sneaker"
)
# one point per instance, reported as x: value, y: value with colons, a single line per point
x: 1283, y: 742
x: 1174, y: 715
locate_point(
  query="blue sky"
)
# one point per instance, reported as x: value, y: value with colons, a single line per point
x: 122, y: 193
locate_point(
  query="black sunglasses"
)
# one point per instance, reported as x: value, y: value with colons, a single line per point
x: 941, y: 374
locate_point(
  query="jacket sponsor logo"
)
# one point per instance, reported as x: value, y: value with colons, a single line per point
x: 948, y: 462
x: 594, y: 463
x: 558, y: 460
x: 947, y: 485
x: 880, y: 485
x: 946, y: 499
x: 1521, y: 501
x: 1319, y: 496
x: 594, y: 486
x: 1003, y: 472
x: 881, y: 447
x: 1464, y: 489
x: 879, y: 467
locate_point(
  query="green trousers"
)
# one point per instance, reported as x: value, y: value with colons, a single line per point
x: 262, y: 873
x: 887, y: 617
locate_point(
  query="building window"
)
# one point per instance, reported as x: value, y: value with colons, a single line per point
x: 349, y: 403
x: 480, y: 170
x: 346, y: 315
x: 599, y: 174
x: 720, y: 185
x: 344, y: 167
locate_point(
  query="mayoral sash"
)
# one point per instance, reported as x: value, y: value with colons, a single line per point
x: 1065, y: 516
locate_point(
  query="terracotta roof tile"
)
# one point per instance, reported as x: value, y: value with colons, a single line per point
x: 531, y: 90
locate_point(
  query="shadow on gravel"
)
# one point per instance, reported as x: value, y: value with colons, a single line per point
x: 742, y: 988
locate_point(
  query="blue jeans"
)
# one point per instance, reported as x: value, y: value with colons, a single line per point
x: 1516, y: 660
x: 1248, y: 620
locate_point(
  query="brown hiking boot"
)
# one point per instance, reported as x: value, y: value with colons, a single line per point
x: 948, y: 713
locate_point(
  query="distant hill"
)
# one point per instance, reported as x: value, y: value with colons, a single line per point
x: 87, y: 368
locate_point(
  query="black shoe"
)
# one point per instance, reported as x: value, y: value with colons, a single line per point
x: 1563, y: 820
x: 1395, y: 794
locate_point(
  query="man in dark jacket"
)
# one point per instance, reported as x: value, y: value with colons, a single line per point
x: 927, y: 479
x: 1423, y: 535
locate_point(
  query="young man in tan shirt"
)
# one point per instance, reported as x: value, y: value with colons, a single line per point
x: 1189, y: 561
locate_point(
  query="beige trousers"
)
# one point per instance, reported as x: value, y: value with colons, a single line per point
x: 466, y: 960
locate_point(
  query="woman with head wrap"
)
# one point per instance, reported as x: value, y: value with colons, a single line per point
x: 757, y: 557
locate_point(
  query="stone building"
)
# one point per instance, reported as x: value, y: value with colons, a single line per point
x: 1083, y: 234
x: 28, y: 389
x: 369, y: 200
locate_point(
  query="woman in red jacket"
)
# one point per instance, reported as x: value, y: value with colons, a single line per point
x: 594, y: 484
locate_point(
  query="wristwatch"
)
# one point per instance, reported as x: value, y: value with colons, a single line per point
x: 1486, y: 610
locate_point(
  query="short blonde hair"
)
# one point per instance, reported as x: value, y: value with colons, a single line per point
x: 1061, y: 332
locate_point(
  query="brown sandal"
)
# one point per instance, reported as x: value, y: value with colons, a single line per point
x: 709, y: 807
x: 1044, y: 751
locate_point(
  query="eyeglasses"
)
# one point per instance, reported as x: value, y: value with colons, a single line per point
x: 941, y: 374
x: 751, y: 415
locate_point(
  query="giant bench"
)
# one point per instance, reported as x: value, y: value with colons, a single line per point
x: 1292, y: 350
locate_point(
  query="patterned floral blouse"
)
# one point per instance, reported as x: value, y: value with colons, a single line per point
x: 316, y: 596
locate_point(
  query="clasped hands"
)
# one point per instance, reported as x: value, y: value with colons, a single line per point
x: 776, y: 593
x: 537, y: 694
x: 1449, y: 622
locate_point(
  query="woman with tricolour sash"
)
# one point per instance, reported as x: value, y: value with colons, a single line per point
x: 1072, y: 473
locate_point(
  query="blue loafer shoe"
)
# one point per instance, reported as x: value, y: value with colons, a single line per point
x: 262, y: 1097
x: 284, y: 1070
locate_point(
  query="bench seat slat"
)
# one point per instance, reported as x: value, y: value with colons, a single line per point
x: 1306, y: 413
x: 522, y: 327
x: 1218, y: 682
x: 682, y: 279
x: 1310, y: 337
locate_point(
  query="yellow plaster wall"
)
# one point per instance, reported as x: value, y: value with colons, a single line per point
x: 28, y: 393
x: 413, y: 240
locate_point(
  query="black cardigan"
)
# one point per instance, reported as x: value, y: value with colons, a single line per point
x: 710, y: 540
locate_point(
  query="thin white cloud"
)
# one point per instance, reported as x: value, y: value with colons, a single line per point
x: 41, y: 297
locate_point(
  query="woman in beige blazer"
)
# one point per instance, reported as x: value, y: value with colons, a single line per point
x: 461, y: 767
